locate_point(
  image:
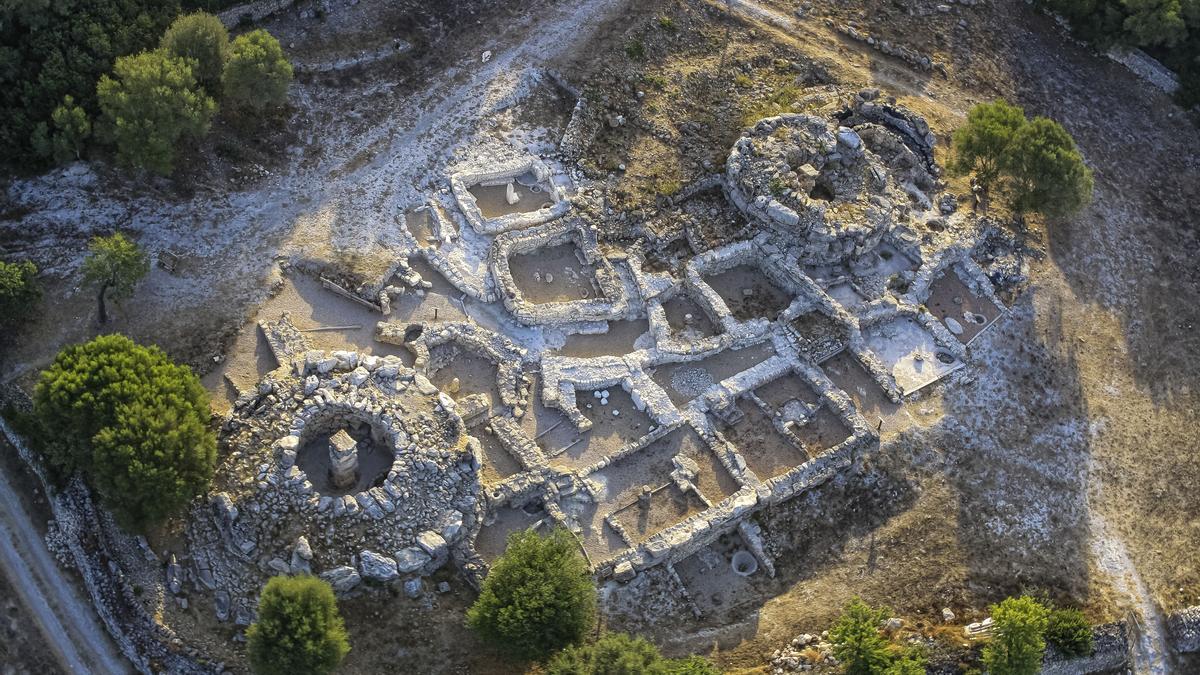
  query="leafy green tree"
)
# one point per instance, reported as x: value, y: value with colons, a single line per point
x: 151, y: 106
x: 1155, y: 22
x: 538, y: 598
x: 1017, y: 642
x: 299, y: 629
x: 19, y: 292
x: 117, y: 264
x: 1070, y: 631
x: 202, y: 38
x: 1045, y: 170
x: 132, y: 421
x: 980, y: 143
x: 49, y: 50
x: 857, y: 641
x: 257, y: 74
x: 72, y: 128
x: 620, y: 654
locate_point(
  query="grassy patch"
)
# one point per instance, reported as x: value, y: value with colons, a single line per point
x: 777, y: 102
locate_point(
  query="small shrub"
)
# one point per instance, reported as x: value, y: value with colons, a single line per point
x: 620, y: 654
x: 19, y: 292
x: 202, y: 38
x: 1017, y: 644
x: 538, y: 598
x: 666, y: 23
x: 857, y: 641
x: 909, y: 662
x: 742, y: 80
x: 635, y: 50
x: 257, y: 74
x: 299, y: 629
x: 1069, y: 631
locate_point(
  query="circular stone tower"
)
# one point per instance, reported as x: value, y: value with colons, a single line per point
x: 816, y: 184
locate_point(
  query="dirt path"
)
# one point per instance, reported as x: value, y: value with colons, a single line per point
x: 1150, y: 654
x: 70, y: 627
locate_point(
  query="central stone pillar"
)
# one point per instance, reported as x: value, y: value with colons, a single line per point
x: 343, y: 459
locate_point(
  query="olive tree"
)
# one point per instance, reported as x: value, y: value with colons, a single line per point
x: 257, y: 74
x: 538, y: 598
x: 202, y: 38
x: 117, y: 265
x: 299, y: 629
x: 132, y: 421
x: 150, y: 107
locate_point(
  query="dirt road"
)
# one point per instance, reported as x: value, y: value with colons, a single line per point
x: 70, y: 627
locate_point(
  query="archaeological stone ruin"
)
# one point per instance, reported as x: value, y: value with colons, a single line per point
x: 709, y: 388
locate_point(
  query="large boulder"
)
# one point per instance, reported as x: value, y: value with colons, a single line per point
x: 377, y: 567
x: 343, y: 579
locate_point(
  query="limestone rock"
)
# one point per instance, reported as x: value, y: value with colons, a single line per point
x: 343, y: 579
x: 411, y: 559
x: 377, y: 567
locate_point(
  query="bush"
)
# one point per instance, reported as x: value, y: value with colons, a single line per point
x: 151, y: 106
x: 1046, y: 172
x: 19, y: 292
x: 135, y: 424
x: 909, y: 662
x: 620, y: 654
x: 117, y: 265
x: 298, y: 630
x: 257, y: 74
x: 202, y: 38
x: 538, y: 598
x: 857, y: 642
x: 1070, y: 632
x: 50, y: 50
x: 1017, y: 644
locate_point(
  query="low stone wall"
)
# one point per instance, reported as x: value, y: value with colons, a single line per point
x: 462, y: 181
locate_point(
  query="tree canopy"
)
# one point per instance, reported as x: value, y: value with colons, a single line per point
x: 299, y: 629
x: 19, y: 292
x: 538, y: 598
x: 152, y: 105
x: 1046, y: 170
x: 63, y: 139
x: 202, y: 38
x: 980, y: 143
x: 621, y: 654
x: 1168, y: 29
x: 1036, y: 161
x: 257, y: 74
x: 1017, y: 641
x: 117, y: 264
x: 50, y: 50
x: 132, y: 421
x: 1069, y: 631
